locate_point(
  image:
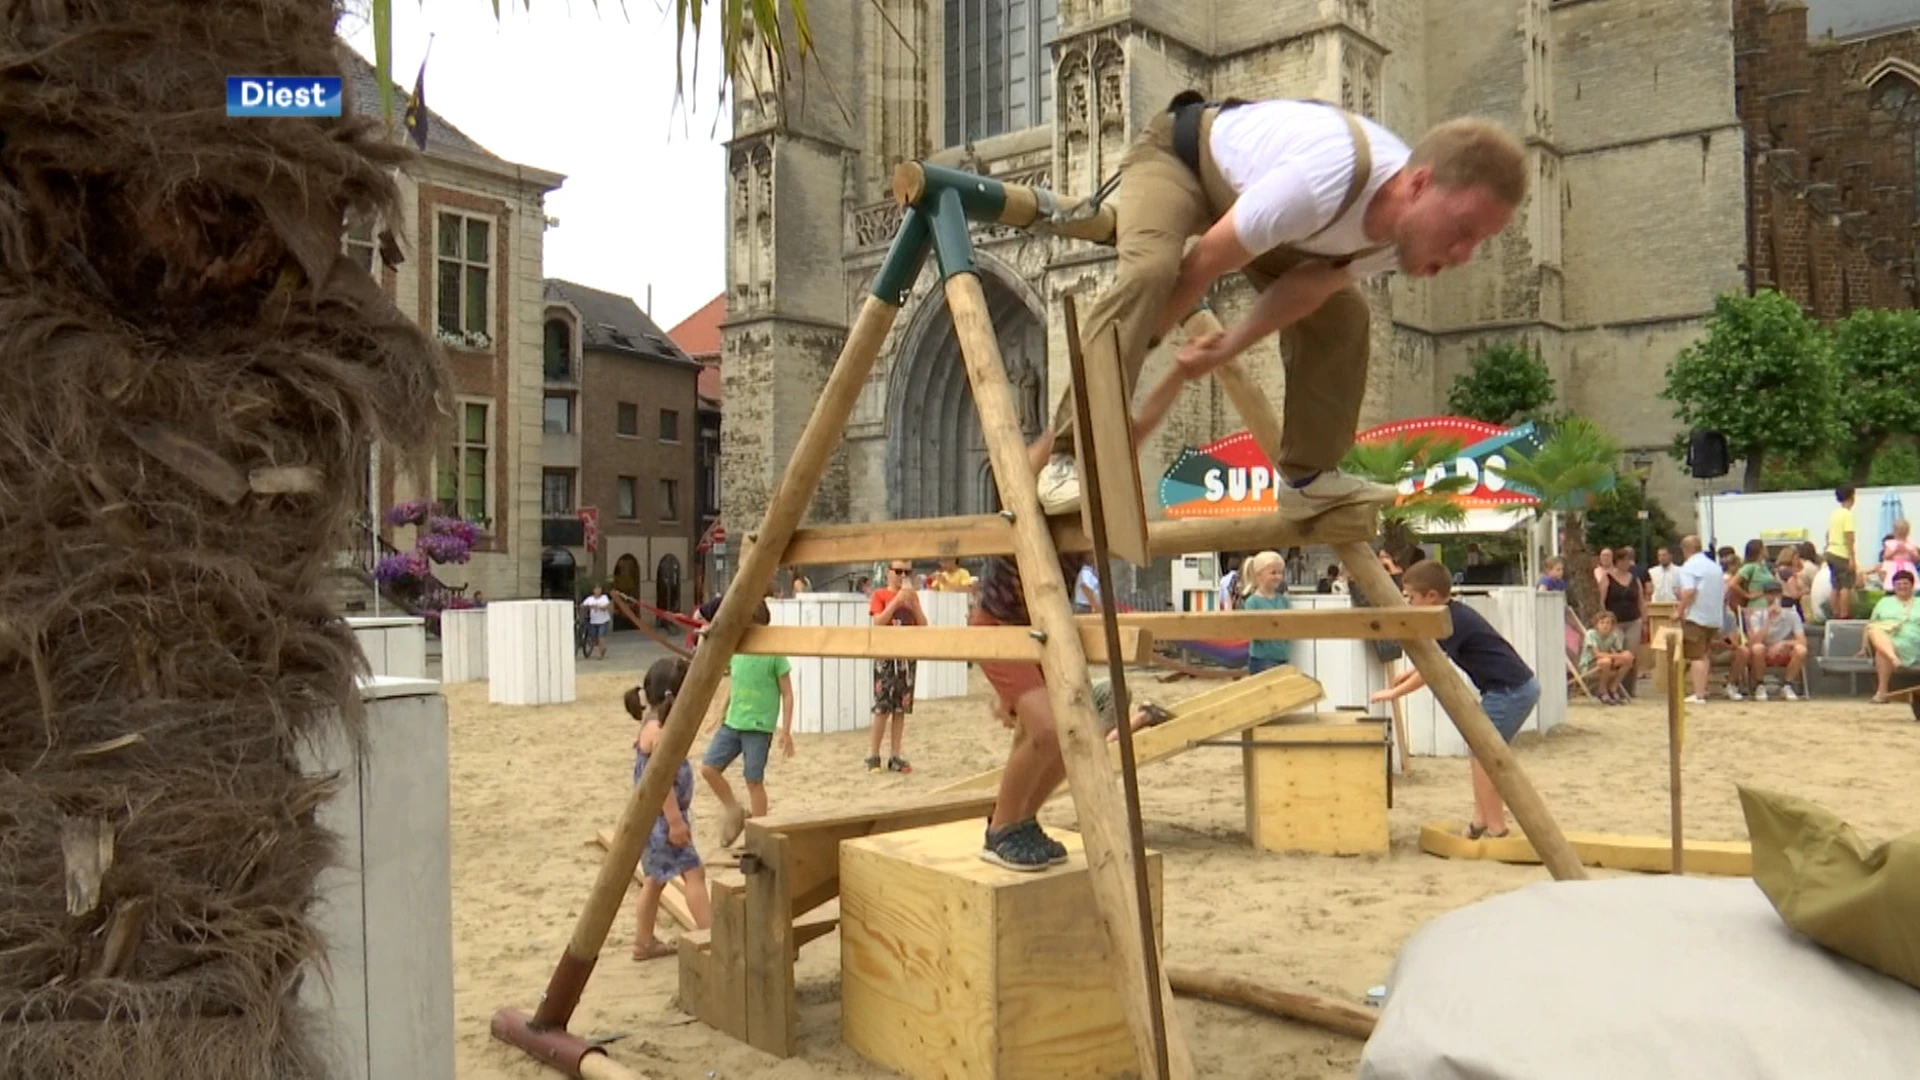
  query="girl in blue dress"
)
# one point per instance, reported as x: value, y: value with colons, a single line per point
x: 669, y: 852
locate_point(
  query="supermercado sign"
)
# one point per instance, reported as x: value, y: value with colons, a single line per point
x: 1230, y: 476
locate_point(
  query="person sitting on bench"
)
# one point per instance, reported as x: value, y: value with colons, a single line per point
x: 1307, y: 201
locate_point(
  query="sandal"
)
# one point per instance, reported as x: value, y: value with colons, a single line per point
x: 1476, y: 832
x: 653, y: 949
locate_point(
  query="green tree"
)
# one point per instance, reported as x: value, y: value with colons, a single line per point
x: 1411, y: 457
x: 1572, y: 472
x: 1615, y: 521
x: 1877, y: 353
x: 1764, y: 376
x: 1507, y: 382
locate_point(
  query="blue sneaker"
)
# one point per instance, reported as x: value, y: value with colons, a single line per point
x: 1020, y: 846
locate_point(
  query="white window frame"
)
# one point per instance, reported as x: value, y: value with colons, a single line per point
x: 629, y: 488
x: 459, y: 450
x: 573, y: 413
x: 465, y: 338
x: 573, y: 492
x: 661, y: 488
x: 363, y: 250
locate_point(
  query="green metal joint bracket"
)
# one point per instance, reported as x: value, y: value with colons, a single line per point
x: 982, y: 198
x: 905, y: 257
x: 952, y: 244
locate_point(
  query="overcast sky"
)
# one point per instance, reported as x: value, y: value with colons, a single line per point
x: 589, y: 94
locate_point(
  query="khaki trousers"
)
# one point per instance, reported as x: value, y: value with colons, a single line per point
x: 1159, y: 204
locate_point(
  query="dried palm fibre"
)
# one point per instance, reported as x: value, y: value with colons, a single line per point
x: 174, y: 317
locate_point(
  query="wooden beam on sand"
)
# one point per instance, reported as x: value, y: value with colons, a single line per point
x: 1366, y: 624
x: 990, y: 534
x: 1331, y: 1013
x: 1641, y: 854
x: 977, y: 644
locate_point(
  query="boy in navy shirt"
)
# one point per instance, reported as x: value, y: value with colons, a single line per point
x: 1508, y: 690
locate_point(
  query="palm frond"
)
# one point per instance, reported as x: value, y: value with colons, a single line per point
x: 1571, y: 469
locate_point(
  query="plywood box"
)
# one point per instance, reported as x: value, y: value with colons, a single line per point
x: 952, y: 968
x: 1317, y: 788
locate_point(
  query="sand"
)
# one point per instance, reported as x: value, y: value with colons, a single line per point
x: 531, y: 785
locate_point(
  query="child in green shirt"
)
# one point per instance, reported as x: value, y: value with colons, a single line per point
x: 760, y: 694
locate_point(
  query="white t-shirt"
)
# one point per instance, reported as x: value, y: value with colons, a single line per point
x: 1666, y: 582
x: 597, y: 612
x: 1290, y: 163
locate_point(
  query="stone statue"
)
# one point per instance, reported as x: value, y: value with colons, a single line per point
x: 1026, y: 391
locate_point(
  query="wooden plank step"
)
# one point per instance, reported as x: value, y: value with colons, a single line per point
x: 1646, y: 854
x: 976, y: 644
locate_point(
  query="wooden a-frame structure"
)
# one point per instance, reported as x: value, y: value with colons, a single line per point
x: 939, y: 204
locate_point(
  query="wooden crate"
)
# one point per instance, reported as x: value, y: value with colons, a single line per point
x: 953, y: 968
x: 1318, y: 788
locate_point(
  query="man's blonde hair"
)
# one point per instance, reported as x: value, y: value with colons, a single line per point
x: 1471, y: 152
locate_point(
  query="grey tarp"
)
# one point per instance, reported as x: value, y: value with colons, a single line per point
x: 1640, y: 978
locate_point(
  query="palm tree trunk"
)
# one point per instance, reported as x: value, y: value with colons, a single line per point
x: 175, y: 314
x: 1582, y: 592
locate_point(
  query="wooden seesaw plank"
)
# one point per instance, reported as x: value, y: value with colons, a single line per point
x: 976, y: 644
x: 989, y: 534
x: 1230, y: 709
x: 1644, y: 854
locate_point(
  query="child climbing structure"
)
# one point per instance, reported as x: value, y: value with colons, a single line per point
x: 939, y: 204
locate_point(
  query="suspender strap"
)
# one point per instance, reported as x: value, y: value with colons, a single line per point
x: 1362, y: 171
x: 1186, y: 108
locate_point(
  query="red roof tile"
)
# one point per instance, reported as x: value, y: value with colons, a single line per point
x: 698, y: 335
x: 709, y: 384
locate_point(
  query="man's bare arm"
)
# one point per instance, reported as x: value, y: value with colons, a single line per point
x: 1218, y: 254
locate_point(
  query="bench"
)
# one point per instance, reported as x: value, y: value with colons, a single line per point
x: 1841, y: 652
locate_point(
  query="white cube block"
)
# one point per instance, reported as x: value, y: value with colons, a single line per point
x: 463, y: 645
x: 937, y: 679
x: 830, y: 694
x: 393, y: 645
x: 530, y: 652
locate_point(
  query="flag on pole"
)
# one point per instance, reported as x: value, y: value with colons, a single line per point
x: 416, y: 114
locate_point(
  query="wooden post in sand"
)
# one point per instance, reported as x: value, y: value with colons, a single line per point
x: 1454, y: 696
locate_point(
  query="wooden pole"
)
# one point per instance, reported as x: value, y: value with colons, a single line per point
x: 1092, y: 465
x: 1082, y: 743
x: 1462, y: 707
x: 1676, y: 665
x: 756, y: 569
x: 1330, y: 1013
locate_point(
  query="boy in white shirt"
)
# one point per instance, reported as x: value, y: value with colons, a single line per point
x: 1308, y: 201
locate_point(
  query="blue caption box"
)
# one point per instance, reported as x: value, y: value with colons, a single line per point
x: 283, y: 95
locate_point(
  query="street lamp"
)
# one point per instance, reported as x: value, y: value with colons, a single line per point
x: 1642, y: 466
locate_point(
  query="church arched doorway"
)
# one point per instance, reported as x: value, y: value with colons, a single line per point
x: 936, y: 454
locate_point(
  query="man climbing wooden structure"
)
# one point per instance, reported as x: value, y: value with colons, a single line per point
x: 941, y: 203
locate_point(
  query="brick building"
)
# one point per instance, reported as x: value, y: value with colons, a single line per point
x: 1829, y: 94
x: 698, y: 335
x: 472, y: 248
x: 620, y: 412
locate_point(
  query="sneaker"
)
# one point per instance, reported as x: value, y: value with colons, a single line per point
x: 1020, y: 846
x: 1331, y: 490
x: 1734, y: 694
x: 1059, y: 485
x: 1696, y: 699
x: 733, y: 822
x: 899, y: 765
x: 873, y: 764
x: 1056, y: 851
x: 1787, y: 694
x: 1760, y: 694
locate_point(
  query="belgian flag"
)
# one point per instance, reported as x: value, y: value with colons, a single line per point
x: 415, y: 117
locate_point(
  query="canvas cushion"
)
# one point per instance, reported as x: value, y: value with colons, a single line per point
x: 1635, y: 977
x: 1824, y: 881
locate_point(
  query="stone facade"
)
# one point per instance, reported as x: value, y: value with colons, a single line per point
x: 1833, y: 131
x: 1635, y: 222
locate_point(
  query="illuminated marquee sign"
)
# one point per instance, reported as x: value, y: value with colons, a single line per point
x: 1231, y: 477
